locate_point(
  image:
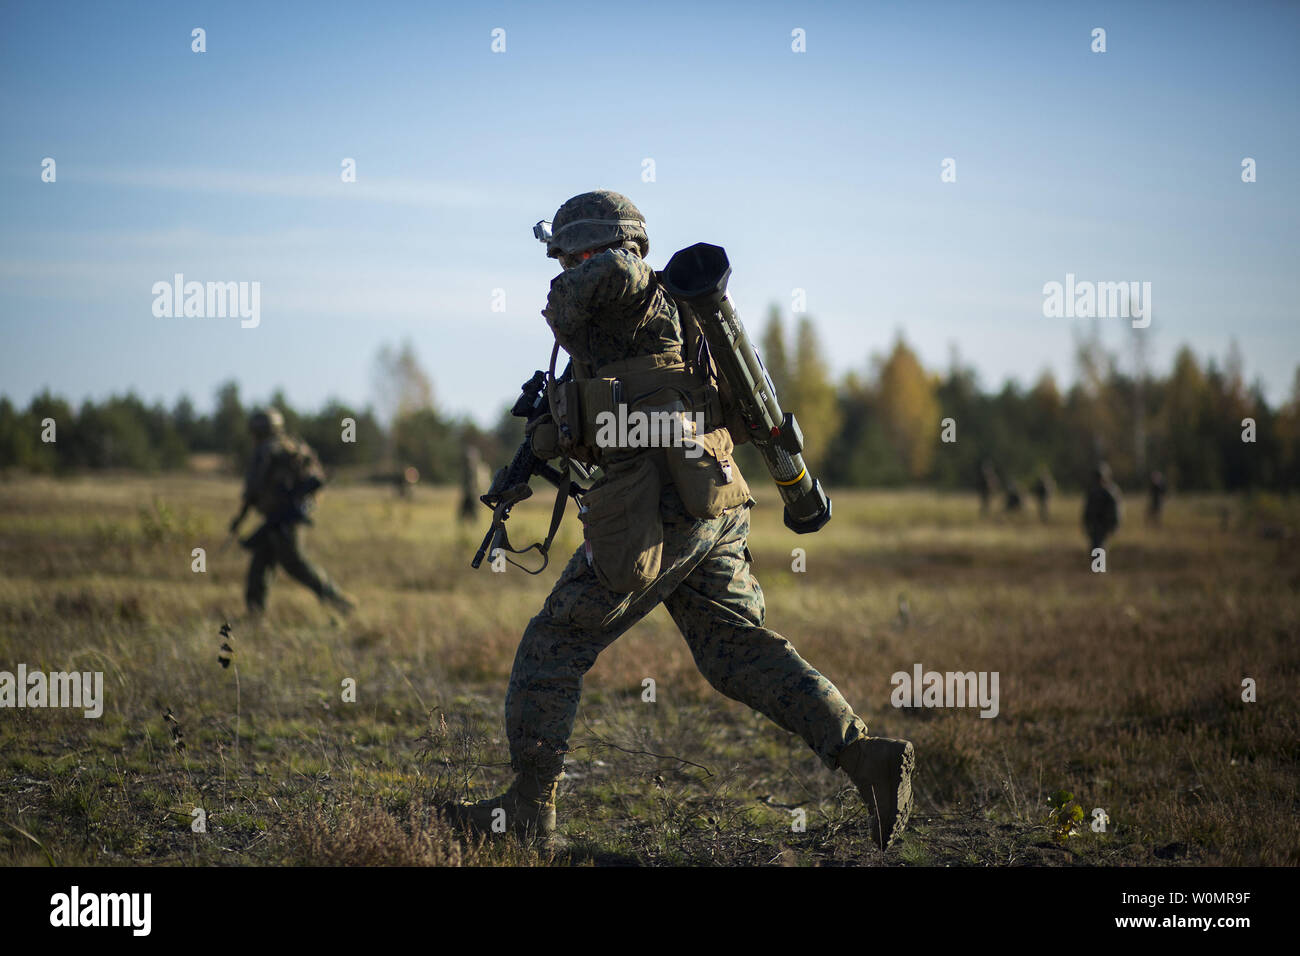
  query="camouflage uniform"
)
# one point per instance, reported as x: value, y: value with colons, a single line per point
x: 1101, y: 509
x: 612, y: 307
x: 609, y: 306
x: 267, y: 488
x: 717, y: 603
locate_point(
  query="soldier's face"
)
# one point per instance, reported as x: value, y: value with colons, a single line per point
x: 575, y: 260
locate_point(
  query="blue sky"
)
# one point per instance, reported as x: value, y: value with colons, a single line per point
x: 817, y: 170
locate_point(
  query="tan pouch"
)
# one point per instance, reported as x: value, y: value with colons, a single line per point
x: 578, y: 407
x: 599, y: 397
x: 622, y: 526
x: 710, y: 482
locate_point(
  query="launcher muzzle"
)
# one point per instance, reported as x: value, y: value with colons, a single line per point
x: 697, y: 278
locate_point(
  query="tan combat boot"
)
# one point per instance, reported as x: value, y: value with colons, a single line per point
x: 882, y: 770
x: 527, y: 810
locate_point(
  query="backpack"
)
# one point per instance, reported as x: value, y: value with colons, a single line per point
x: 293, y: 474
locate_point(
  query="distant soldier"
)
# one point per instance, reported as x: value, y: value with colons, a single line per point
x: 406, y: 481
x: 987, y: 484
x: 473, y: 482
x: 1101, y: 507
x: 1157, y: 489
x: 1043, y: 488
x: 283, y: 476
x: 1013, y: 500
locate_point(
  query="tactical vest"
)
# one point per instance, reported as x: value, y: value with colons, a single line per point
x: 683, y: 404
x: 681, y: 397
x: 674, y: 382
x: 290, y: 474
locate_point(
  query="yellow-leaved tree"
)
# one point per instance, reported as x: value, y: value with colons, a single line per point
x: 908, y: 406
x: 803, y: 385
x: 812, y: 397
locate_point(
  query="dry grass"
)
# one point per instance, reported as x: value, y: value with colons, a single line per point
x: 1122, y: 688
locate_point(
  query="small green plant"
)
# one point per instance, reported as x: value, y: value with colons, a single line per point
x: 159, y: 524
x: 1066, y: 816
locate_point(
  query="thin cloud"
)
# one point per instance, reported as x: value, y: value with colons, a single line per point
x: 325, y: 186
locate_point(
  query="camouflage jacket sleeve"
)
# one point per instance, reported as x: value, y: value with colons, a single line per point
x: 611, y: 307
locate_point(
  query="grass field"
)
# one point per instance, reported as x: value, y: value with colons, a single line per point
x: 1123, y: 688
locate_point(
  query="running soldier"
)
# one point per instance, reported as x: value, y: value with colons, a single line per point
x: 282, y: 479
x: 646, y: 544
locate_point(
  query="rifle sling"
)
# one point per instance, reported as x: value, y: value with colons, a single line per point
x: 557, y: 515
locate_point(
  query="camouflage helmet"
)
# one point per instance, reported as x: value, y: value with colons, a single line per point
x: 263, y: 423
x: 593, y: 219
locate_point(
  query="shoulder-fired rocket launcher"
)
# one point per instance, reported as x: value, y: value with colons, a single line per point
x: 697, y: 278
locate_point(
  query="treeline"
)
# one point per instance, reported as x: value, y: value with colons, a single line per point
x: 883, y: 426
x: 125, y: 433
x: 886, y: 426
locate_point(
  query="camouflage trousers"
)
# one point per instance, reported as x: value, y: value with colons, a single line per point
x: 275, y: 545
x: 707, y: 586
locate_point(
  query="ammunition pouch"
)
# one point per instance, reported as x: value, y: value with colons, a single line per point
x: 587, y: 411
x: 622, y: 526
x: 586, y: 408
x: 569, y: 417
x: 597, y: 398
x: 700, y: 465
x: 706, y: 476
